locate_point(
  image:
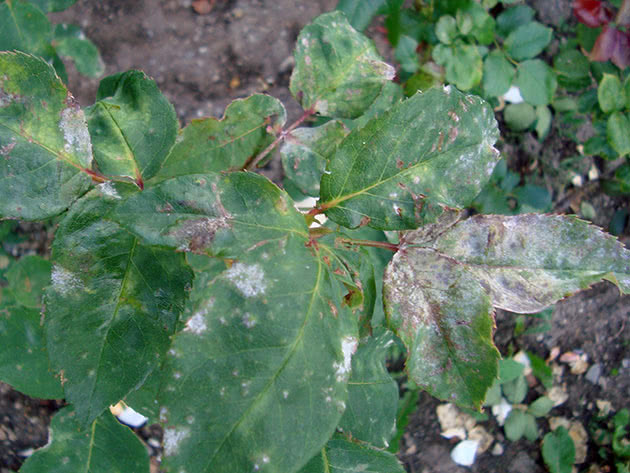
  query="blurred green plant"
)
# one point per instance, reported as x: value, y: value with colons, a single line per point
x: 25, y: 27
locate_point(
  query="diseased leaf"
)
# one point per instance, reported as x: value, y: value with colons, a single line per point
x: 342, y: 456
x: 209, y: 145
x: 306, y: 151
x: 132, y: 126
x: 391, y: 93
x: 338, y: 71
x: 107, y: 446
x: 528, y: 262
x: 269, y: 344
x: 70, y: 42
x: 215, y: 214
x: 444, y: 317
x: 370, y: 414
x: 24, y: 358
x: 401, y: 169
x: 44, y: 141
x: 112, y: 306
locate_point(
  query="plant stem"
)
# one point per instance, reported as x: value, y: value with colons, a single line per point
x: 283, y: 134
x: 374, y: 244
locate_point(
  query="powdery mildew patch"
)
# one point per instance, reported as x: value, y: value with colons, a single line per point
x: 196, y: 324
x: 342, y: 369
x: 248, y: 279
x: 172, y: 439
x: 63, y: 281
x: 76, y: 134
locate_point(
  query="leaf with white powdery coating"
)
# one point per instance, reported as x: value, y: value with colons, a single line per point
x: 132, y: 125
x: 107, y: 447
x: 112, y: 306
x: 444, y: 317
x: 215, y: 214
x: 305, y: 153
x: 370, y: 414
x: 210, y: 145
x: 269, y: 344
x: 338, y: 71
x: 528, y: 262
x: 400, y: 170
x: 44, y: 141
x: 342, y: 456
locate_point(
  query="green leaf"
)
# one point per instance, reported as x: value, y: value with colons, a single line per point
x: 370, y: 414
x: 540, y: 407
x: 618, y: 132
x: 398, y: 171
x: 437, y: 307
x: 306, y: 151
x: 215, y: 214
x: 44, y: 141
x: 27, y: 279
x: 132, y: 126
x: 338, y: 72
x: 572, y: 69
x: 543, y: 122
x: 390, y: 95
x: 463, y: 64
x: 269, y: 344
x: 610, y: 94
x: 493, y: 396
x: 446, y: 29
x: 407, y: 55
x: 24, y: 27
x: 515, y: 425
x: 528, y: 262
x: 342, y: 456
x: 209, y: 145
x: 107, y: 446
x: 626, y: 91
x: 53, y: 5
x: 515, y: 390
x: 537, y: 82
x: 360, y: 12
x: 406, y: 408
x: 519, y: 116
x: 112, y: 306
x: 558, y: 451
x: 497, y: 74
x: 509, y: 370
x: 70, y: 42
x: 513, y: 17
x: 540, y: 369
x: 23, y: 358
x: 528, y: 40
x: 483, y: 23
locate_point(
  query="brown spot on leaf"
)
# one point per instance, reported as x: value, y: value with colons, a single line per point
x: 198, y: 234
x: 333, y: 309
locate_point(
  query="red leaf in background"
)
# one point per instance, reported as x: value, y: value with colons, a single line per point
x: 614, y: 45
x: 592, y: 13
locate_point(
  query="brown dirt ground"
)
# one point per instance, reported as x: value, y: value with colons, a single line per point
x: 203, y: 62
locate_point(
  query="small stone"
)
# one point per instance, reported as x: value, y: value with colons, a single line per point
x: 555, y: 422
x: 577, y: 432
x: 497, y: 450
x: 594, y: 373
x: 464, y: 452
x: 447, y: 416
x: 484, y: 438
x: 625, y: 362
x: 605, y: 407
x: 238, y: 13
x: 501, y: 411
x: 454, y: 432
x: 558, y: 395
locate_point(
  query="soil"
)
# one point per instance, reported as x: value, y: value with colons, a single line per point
x: 204, y: 61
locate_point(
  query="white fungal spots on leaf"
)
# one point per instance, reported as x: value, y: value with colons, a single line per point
x: 108, y: 190
x: 173, y: 438
x: 342, y: 369
x: 76, y: 134
x: 248, y: 279
x: 63, y: 281
x: 249, y: 320
x: 196, y: 324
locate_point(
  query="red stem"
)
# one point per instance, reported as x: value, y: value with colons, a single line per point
x: 283, y: 134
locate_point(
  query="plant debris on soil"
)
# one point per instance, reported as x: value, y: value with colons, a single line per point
x: 205, y: 53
